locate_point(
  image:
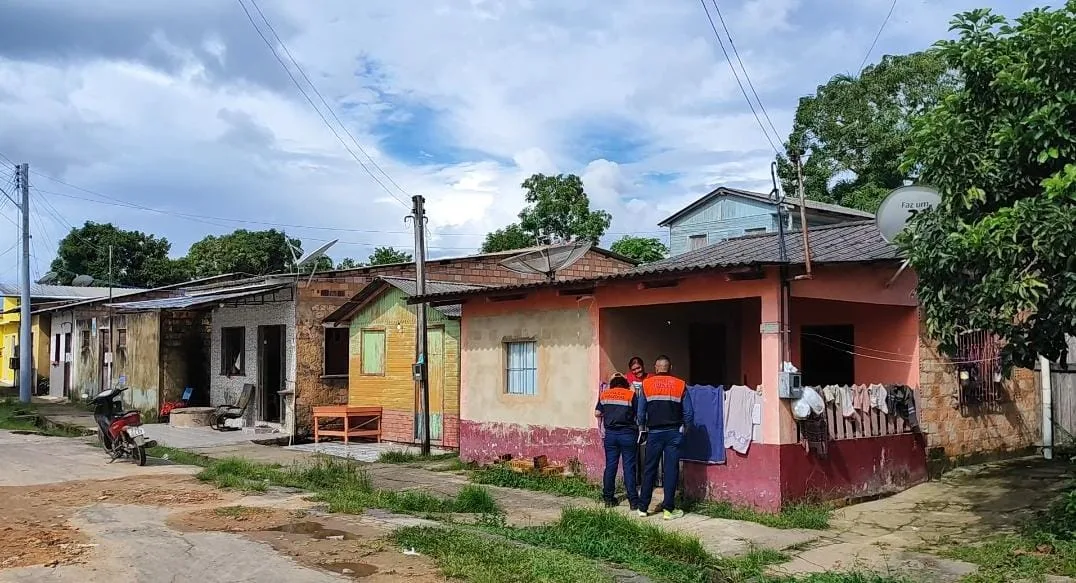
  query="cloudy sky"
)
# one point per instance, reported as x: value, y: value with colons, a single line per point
x: 176, y: 118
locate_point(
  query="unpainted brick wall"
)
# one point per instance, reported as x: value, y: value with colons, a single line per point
x: 1008, y: 427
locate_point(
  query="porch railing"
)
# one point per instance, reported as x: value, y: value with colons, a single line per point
x: 861, y: 424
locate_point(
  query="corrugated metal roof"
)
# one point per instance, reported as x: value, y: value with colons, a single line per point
x: 65, y: 292
x: 409, y: 287
x: 442, y: 260
x: 192, y: 301
x: 858, y: 242
x: 814, y: 205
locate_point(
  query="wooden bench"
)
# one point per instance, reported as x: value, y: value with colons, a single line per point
x: 357, y: 422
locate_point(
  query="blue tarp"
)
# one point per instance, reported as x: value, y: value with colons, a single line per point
x: 704, y: 441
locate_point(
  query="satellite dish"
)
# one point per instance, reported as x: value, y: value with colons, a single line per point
x: 901, y: 205
x: 546, y: 261
x: 312, y: 258
x: 82, y: 281
x: 49, y: 278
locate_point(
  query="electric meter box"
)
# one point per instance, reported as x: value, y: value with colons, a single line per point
x: 789, y: 385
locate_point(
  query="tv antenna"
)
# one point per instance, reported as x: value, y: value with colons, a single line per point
x: 82, y: 281
x: 900, y: 206
x: 548, y: 260
x: 49, y: 278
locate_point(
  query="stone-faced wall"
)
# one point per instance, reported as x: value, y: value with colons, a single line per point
x: 322, y: 296
x: 964, y: 435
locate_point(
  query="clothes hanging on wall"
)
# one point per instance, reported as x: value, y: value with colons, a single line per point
x: 814, y: 431
x: 743, y: 411
x: 861, y: 398
x: 901, y: 402
x: 878, y: 397
x: 704, y: 440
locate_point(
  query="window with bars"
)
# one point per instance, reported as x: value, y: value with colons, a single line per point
x: 978, y: 366
x: 521, y: 367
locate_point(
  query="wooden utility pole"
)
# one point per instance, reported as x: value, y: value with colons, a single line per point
x: 418, y: 216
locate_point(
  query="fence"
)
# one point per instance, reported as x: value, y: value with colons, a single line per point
x: 872, y: 423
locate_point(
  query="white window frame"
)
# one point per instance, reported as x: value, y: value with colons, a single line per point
x: 521, y: 367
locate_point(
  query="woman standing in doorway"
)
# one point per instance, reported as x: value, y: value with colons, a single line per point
x: 636, y: 372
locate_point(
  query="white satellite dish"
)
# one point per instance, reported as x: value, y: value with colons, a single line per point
x: 312, y: 258
x: 49, y: 278
x: 82, y: 281
x: 901, y: 205
x: 546, y: 261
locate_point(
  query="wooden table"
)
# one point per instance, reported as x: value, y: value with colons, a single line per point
x: 357, y: 422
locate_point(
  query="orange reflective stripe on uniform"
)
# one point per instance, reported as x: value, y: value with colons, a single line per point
x: 663, y: 388
x: 617, y: 397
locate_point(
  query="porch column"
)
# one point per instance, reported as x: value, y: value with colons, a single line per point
x: 778, y: 427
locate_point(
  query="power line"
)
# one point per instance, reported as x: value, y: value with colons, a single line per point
x: 737, y: 77
x: 736, y: 52
x: 317, y: 110
x: 878, y: 35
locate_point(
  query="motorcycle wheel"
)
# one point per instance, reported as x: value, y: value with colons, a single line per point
x: 138, y: 452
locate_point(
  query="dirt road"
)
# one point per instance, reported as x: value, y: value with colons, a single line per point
x: 66, y: 514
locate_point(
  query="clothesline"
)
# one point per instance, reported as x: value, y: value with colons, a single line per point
x: 859, y: 354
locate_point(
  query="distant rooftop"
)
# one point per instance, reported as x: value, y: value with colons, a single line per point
x: 812, y: 205
x: 64, y: 292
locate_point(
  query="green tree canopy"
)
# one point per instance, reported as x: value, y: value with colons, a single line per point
x: 511, y: 237
x: 853, y: 130
x: 999, y: 253
x: 348, y: 263
x: 243, y: 251
x: 558, y: 210
x: 641, y: 249
x: 388, y: 255
x: 138, y: 259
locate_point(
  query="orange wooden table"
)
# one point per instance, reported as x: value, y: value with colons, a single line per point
x: 357, y: 422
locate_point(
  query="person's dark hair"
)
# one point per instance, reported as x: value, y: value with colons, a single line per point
x: 634, y: 360
x: 663, y: 357
x: 619, y: 382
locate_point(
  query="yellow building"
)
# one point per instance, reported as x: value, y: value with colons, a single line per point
x: 379, y: 329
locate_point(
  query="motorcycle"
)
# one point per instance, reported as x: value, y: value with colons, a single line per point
x: 121, y: 432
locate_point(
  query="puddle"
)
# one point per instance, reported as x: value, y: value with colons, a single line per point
x: 315, y: 530
x: 353, y: 570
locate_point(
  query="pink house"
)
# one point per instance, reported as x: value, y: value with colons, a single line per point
x: 533, y: 356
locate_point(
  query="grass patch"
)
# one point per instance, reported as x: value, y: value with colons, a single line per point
x: 178, y: 456
x: 803, y: 515
x: 500, y: 475
x: 472, y: 557
x: 1046, y: 545
x: 408, y: 457
x: 16, y: 416
x: 639, y: 546
x: 842, y: 578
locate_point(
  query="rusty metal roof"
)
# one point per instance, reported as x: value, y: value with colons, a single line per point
x: 857, y: 242
x: 409, y: 286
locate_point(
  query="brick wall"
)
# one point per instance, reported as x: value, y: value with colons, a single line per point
x: 956, y: 434
x: 322, y: 296
x: 185, y: 355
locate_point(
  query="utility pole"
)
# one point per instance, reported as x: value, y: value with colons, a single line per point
x: 111, y: 331
x: 26, y: 368
x: 418, y: 215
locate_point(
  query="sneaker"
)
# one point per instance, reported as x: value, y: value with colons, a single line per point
x: 642, y: 513
x: 610, y: 503
x: 672, y: 514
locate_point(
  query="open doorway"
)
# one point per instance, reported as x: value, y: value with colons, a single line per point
x: 826, y: 355
x: 271, y: 360
x: 708, y: 354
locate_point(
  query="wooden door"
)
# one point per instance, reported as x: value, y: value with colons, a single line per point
x: 435, y: 357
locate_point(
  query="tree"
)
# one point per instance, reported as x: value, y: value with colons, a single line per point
x: 388, y: 255
x: 641, y: 249
x: 348, y: 263
x: 243, y: 251
x: 853, y: 130
x: 558, y: 210
x: 511, y: 237
x: 999, y: 253
x: 138, y: 259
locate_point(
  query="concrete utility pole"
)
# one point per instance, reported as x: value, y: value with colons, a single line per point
x: 418, y: 215
x: 26, y: 368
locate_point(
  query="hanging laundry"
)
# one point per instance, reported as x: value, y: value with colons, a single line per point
x: 878, y: 396
x: 901, y: 402
x: 844, y: 399
x: 861, y: 400
x: 742, y: 409
x: 815, y: 434
x: 829, y: 393
x: 704, y: 439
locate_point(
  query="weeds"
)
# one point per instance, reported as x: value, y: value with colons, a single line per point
x: 804, y: 515
x: 16, y: 416
x: 641, y: 547
x: 472, y: 557
x: 178, y: 456
x: 409, y: 457
x: 499, y: 475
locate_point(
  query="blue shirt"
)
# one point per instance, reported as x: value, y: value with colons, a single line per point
x: 685, y: 403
